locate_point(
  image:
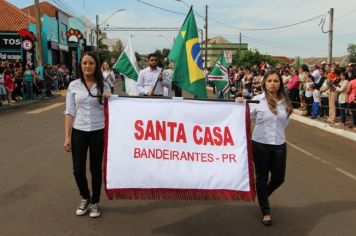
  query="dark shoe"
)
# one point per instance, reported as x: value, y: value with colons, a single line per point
x: 267, y: 222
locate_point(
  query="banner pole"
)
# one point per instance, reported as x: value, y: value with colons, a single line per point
x: 189, y: 99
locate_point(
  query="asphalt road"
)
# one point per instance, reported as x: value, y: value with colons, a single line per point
x: 38, y: 195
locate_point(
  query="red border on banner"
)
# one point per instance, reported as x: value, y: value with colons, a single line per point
x: 182, y: 194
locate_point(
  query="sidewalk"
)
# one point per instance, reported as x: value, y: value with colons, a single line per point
x: 25, y: 103
x: 321, y: 124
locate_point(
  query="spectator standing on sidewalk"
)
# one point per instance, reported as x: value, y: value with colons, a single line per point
x: 17, y: 95
x: 319, y: 82
x: 48, y: 80
x: 303, y: 72
x: 324, y: 96
x: 29, y: 82
x: 2, y: 87
x: 9, y: 77
x: 293, y: 88
x: 83, y: 132
x: 309, y: 93
x: 351, y: 90
x: 341, y: 91
x: 333, y: 82
x: 316, y: 101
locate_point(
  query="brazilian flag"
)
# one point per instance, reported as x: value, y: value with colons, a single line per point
x: 188, y: 71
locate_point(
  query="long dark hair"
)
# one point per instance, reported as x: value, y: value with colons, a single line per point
x: 272, y: 105
x: 98, y: 76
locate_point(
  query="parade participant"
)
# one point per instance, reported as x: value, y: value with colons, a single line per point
x: 150, y: 81
x: 84, y: 129
x: 268, y: 139
x: 108, y: 75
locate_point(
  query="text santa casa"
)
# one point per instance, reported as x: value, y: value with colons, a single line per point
x: 176, y: 132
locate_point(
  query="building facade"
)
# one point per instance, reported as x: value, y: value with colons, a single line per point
x: 218, y: 44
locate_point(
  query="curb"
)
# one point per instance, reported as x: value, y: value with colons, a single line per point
x: 324, y: 126
x: 26, y: 103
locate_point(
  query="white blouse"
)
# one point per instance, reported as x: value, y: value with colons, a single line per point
x: 87, y: 112
x: 269, y: 128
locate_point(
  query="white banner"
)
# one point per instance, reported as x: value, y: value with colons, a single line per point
x: 177, y: 149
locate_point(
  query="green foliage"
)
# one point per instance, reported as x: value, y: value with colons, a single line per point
x: 106, y: 55
x: 162, y: 56
x: 250, y: 58
x: 351, y: 49
x: 297, y: 63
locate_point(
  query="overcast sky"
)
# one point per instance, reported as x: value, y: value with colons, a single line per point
x: 228, y: 18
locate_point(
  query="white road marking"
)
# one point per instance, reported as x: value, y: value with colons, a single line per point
x: 50, y: 107
x: 344, y: 172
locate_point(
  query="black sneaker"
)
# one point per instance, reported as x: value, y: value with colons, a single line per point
x: 83, y: 208
x: 94, y: 210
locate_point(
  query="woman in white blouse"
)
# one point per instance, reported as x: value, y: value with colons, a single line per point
x: 84, y: 129
x: 268, y: 139
x: 108, y: 75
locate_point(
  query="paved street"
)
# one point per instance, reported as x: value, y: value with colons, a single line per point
x: 38, y: 195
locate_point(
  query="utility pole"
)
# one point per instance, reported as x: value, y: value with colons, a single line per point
x: 331, y: 31
x: 38, y: 34
x: 206, y: 36
x: 239, y: 52
x: 97, y: 31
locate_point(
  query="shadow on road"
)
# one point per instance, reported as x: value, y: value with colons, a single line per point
x: 223, y: 219
x: 230, y: 220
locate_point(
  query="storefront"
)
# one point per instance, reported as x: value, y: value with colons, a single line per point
x: 16, y: 47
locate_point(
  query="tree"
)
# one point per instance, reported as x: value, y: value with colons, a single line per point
x: 351, y: 49
x: 250, y: 58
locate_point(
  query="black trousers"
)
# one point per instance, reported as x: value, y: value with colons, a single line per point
x: 294, y: 97
x: 324, y: 109
x: 269, y: 160
x: 81, y: 142
x: 309, y: 102
x: 352, y: 106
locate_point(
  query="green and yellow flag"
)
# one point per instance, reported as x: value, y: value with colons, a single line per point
x: 188, y: 71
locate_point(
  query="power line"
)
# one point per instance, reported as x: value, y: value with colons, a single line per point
x: 266, y: 29
x: 234, y: 27
x: 62, y: 7
x: 69, y: 7
x: 277, y: 46
x: 350, y: 12
x: 163, y: 9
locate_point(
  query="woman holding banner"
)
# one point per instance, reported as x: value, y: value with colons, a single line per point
x: 84, y: 129
x: 268, y: 139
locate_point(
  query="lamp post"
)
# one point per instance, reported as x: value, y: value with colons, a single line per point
x: 97, y: 24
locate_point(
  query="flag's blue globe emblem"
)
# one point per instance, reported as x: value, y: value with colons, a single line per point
x: 197, y: 55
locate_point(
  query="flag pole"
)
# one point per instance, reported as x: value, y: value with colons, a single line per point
x: 154, y: 87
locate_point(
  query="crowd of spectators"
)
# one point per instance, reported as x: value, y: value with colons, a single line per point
x: 18, y: 82
x: 320, y: 91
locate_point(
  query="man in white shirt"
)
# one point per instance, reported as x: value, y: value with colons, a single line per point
x: 316, y: 73
x: 150, y: 80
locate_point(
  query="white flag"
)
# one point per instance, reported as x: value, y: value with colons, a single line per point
x: 127, y: 65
